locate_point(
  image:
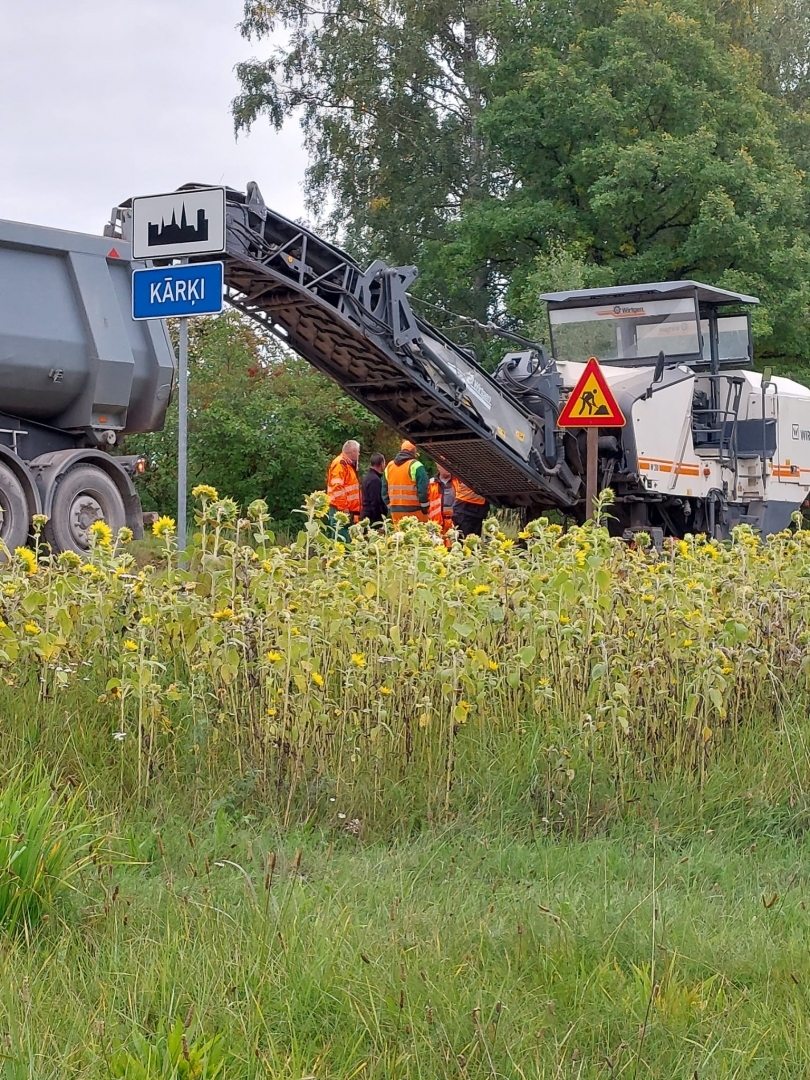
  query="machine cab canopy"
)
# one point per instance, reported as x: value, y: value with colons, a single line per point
x: 630, y: 326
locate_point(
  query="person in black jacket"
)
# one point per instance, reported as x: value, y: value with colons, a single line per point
x: 373, y: 505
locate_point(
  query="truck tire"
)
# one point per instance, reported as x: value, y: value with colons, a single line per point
x: 83, y: 495
x: 14, y: 520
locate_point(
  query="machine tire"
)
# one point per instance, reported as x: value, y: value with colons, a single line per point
x: 83, y: 495
x: 15, y: 519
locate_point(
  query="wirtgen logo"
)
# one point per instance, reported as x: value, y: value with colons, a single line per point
x: 620, y: 312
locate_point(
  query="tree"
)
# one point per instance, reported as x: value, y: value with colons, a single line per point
x: 649, y: 152
x: 262, y: 423
x: 778, y: 31
x: 390, y: 94
x: 502, y: 143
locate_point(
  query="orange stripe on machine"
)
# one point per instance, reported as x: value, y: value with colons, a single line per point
x: 788, y: 470
x: 665, y: 466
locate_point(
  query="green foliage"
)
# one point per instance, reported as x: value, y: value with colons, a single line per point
x: 651, y: 153
x: 169, y: 1056
x: 385, y: 668
x: 262, y: 423
x: 46, y: 839
x: 588, y: 766
x: 389, y: 99
x: 778, y: 31
x: 508, y: 148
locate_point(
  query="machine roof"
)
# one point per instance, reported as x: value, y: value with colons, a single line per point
x: 708, y: 294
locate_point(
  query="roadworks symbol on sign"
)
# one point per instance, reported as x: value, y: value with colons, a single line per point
x: 591, y: 403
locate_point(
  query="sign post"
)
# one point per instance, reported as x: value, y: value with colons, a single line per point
x: 591, y: 463
x: 591, y: 405
x: 173, y: 227
x: 179, y: 291
x: 182, y: 435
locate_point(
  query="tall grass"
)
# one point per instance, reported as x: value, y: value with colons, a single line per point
x: 458, y: 955
x: 394, y: 678
x: 46, y: 840
x: 256, y: 718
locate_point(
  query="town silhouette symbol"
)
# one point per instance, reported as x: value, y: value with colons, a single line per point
x: 184, y: 233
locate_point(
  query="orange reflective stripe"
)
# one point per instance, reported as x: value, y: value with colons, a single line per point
x: 402, y: 493
x: 464, y: 493
x: 343, y: 486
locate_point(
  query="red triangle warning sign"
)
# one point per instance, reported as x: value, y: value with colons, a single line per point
x: 591, y: 403
x: 113, y: 254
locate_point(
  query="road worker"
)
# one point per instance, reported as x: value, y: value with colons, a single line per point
x: 343, y: 489
x: 405, y: 485
x: 373, y: 505
x: 442, y: 496
x: 469, y: 509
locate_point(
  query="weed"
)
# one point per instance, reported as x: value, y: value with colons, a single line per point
x: 169, y: 1055
x: 46, y: 838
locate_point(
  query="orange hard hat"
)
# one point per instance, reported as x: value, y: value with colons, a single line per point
x: 407, y: 445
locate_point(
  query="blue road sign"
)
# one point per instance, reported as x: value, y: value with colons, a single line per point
x: 172, y: 291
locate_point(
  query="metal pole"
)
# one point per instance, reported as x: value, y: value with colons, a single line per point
x: 591, y: 461
x: 182, y: 437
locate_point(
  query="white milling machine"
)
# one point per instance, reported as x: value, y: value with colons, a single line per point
x: 709, y: 443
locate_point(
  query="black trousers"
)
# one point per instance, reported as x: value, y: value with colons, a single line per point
x: 469, y: 518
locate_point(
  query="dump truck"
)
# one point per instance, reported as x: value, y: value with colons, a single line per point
x: 76, y: 374
x: 709, y: 442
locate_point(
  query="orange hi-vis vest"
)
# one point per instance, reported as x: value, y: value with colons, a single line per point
x: 439, y: 510
x: 403, y: 497
x: 465, y: 494
x: 343, y: 486
x: 435, y: 511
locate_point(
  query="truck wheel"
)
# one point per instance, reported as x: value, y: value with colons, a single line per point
x: 83, y: 495
x: 14, y: 520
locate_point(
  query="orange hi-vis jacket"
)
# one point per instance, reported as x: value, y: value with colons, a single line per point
x: 435, y: 501
x: 465, y: 494
x: 343, y: 486
x: 439, y: 510
x: 403, y: 496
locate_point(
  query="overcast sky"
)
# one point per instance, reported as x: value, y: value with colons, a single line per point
x: 104, y: 99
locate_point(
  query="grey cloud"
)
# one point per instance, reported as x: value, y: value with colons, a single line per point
x: 101, y: 100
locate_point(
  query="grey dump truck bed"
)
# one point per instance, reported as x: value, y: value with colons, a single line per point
x: 71, y: 356
x: 76, y: 373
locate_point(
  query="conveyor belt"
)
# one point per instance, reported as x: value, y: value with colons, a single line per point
x: 359, y: 329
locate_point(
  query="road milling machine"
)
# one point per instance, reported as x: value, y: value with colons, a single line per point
x: 709, y: 443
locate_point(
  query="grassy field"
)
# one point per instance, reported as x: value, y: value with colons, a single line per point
x: 457, y: 954
x: 516, y: 810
